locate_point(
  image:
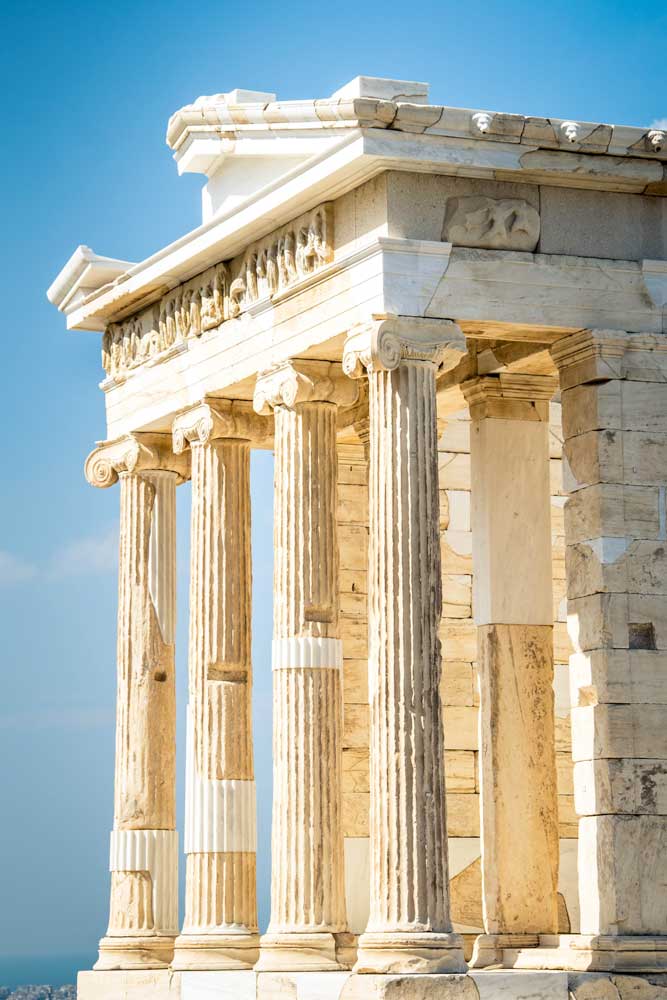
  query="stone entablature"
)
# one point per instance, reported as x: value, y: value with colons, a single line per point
x: 280, y: 157
x: 268, y: 267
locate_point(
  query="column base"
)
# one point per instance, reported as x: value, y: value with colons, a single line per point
x: 411, y: 953
x: 488, y: 948
x: 148, y: 952
x: 212, y: 952
x: 592, y: 953
x: 302, y: 951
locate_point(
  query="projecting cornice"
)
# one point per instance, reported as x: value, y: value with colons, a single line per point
x: 83, y: 274
x: 398, y: 106
x: 272, y: 161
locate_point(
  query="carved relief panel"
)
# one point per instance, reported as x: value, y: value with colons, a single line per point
x: 491, y: 223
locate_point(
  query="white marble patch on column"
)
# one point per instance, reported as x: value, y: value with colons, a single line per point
x: 307, y: 651
x: 220, y: 815
x: 189, y: 780
x: 223, y: 817
x: 155, y: 852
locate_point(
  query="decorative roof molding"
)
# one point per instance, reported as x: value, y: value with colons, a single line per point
x: 84, y: 272
x: 398, y: 105
x: 657, y: 138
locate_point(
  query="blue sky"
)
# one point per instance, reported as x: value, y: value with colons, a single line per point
x: 88, y: 91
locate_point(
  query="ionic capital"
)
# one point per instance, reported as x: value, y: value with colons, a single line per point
x: 292, y: 382
x: 215, y: 419
x: 510, y: 396
x: 386, y: 341
x: 141, y: 452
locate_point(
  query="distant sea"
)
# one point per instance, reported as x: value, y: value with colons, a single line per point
x: 51, y: 970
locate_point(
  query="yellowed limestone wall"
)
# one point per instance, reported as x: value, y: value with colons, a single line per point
x: 353, y: 572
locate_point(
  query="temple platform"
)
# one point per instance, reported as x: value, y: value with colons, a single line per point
x: 483, y: 985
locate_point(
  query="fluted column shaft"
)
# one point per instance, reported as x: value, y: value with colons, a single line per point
x: 220, y: 926
x: 307, y: 887
x: 307, y: 866
x: 408, y: 833
x: 143, y: 917
x: 409, y: 928
x: 145, y: 708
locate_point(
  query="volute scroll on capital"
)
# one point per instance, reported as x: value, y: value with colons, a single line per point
x: 292, y: 382
x: 139, y: 452
x: 221, y: 418
x: 384, y: 342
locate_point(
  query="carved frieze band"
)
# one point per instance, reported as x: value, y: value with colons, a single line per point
x: 133, y: 453
x: 268, y: 267
x: 382, y: 344
x: 219, y: 419
x: 283, y: 258
x: 155, y: 852
x: 292, y: 382
x: 307, y: 651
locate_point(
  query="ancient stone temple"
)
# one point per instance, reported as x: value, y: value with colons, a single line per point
x: 450, y: 326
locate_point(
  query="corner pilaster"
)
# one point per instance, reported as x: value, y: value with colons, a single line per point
x: 513, y: 606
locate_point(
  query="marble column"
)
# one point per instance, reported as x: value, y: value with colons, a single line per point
x: 513, y: 605
x: 143, y: 919
x: 614, y: 399
x: 220, y: 928
x: 308, y: 916
x: 409, y: 929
